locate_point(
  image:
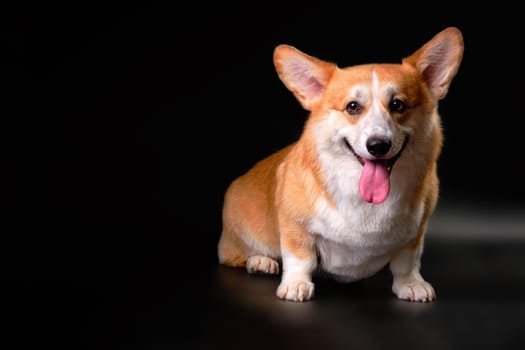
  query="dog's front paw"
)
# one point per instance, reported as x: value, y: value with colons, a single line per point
x: 415, y: 291
x: 297, y: 290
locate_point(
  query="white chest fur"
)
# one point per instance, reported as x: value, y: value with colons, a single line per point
x: 354, y: 238
x: 357, y: 240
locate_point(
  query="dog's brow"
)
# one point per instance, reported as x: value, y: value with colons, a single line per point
x: 385, y: 88
x: 358, y: 92
x: 390, y: 89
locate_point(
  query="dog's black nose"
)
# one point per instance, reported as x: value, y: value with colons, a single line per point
x: 377, y: 146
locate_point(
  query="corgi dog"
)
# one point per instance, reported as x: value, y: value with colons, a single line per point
x: 355, y: 192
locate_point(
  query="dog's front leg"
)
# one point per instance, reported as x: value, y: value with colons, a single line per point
x: 299, y: 262
x: 408, y: 283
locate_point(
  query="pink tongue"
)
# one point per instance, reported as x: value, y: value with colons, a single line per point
x: 374, y: 183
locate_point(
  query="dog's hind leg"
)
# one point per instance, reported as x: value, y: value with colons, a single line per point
x: 231, y: 250
x: 234, y: 252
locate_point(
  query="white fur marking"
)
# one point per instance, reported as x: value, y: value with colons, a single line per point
x: 296, y: 283
x: 297, y: 269
x: 375, y: 83
x: 408, y: 283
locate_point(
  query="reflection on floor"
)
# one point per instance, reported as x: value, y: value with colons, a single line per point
x: 475, y: 221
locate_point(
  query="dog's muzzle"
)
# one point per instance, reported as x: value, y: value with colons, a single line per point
x: 378, y: 147
x: 374, y: 182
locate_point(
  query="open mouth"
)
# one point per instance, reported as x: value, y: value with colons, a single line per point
x: 374, y: 183
x: 389, y: 163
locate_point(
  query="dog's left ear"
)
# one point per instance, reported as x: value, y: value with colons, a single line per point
x: 438, y: 60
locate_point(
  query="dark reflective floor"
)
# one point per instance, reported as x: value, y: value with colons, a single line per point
x: 481, y: 304
x: 170, y: 299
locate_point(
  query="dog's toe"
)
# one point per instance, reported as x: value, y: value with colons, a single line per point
x: 416, y: 291
x: 296, y: 290
x: 263, y: 264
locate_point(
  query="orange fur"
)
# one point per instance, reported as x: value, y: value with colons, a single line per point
x: 290, y: 206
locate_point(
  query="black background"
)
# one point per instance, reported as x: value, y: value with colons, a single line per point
x: 126, y: 122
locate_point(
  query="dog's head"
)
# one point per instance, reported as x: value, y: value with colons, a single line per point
x: 371, y: 111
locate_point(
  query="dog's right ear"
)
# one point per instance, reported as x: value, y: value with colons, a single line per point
x: 304, y: 75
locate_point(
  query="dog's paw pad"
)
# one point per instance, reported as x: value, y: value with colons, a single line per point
x: 262, y: 264
x: 296, y: 290
x: 416, y: 291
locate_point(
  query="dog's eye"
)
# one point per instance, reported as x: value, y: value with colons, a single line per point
x: 398, y: 105
x: 353, y: 108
